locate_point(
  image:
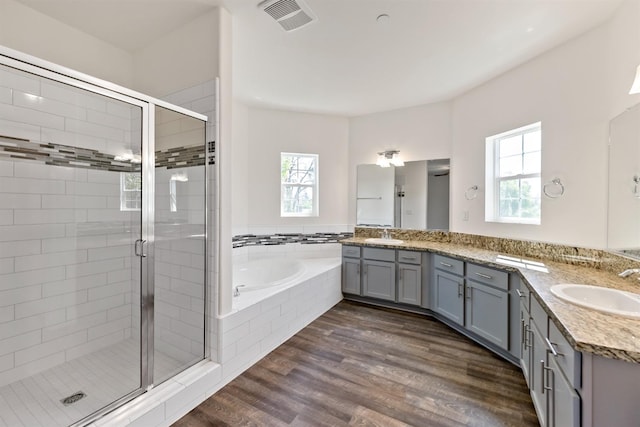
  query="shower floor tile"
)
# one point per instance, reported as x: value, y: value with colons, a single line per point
x: 104, y: 376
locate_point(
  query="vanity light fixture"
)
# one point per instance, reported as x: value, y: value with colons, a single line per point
x: 388, y: 158
x: 635, y: 87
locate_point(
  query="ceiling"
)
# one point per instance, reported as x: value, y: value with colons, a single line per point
x: 346, y: 63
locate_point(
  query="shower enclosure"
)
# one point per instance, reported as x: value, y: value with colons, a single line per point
x: 102, y: 243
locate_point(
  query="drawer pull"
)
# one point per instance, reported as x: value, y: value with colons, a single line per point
x: 408, y: 258
x: 520, y: 294
x: 552, y: 348
x: 484, y: 276
x: 445, y: 264
x: 545, y: 368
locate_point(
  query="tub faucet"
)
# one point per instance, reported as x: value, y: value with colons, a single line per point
x: 629, y: 272
x: 236, y: 290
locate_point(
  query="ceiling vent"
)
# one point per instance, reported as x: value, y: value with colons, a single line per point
x: 290, y: 14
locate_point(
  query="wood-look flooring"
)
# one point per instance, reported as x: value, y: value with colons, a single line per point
x: 366, y: 366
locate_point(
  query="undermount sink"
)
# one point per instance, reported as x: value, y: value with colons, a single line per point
x: 381, y: 241
x: 613, y: 301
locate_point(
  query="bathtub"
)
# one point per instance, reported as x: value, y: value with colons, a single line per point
x: 265, y: 273
x: 258, y: 279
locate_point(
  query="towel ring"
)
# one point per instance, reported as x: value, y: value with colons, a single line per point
x: 553, y: 194
x: 636, y: 190
x: 471, y: 192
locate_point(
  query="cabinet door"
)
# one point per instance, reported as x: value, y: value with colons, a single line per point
x: 538, y: 373
x: 379, y: 280
x: 525, y: 346
x: 409, y: 284
x: 351, y: 276
x: 448, y: 296
x: 487, y: 313
x: 564, y: 402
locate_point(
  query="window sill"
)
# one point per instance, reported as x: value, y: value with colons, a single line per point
x: 508, y: 221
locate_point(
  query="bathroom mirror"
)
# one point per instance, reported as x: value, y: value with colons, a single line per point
x: 413, y: 196
x: 623, y: 230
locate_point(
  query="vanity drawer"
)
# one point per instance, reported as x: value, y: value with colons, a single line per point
x: 351, y: 251
x: 451, y: 265
x: 539, y: 316
x: 410, y: 257
x: 497, y: 279
x: 379, y: 254
x: 567, y: 358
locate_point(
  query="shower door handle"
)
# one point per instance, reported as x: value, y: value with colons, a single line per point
x: 139, y: 248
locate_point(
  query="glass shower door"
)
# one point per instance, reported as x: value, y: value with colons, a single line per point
x: 70, y: 280
x: 179, y: 230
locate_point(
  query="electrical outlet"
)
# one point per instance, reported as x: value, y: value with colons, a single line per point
x: 465, y: 215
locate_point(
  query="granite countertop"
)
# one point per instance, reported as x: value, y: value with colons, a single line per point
x: 586, y: 330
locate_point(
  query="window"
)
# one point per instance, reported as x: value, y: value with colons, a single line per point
x: 513, y: 161
x: 130, y: 191
x: 298, y: 184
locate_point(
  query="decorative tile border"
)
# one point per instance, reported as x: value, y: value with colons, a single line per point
x: 181, y: 157
x: 285, y: 238
x: 62, y: 155
x: 76, y: 157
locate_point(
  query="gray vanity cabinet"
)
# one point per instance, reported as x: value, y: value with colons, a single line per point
x: 525, y: 325
x: 379, y: 273
x: 448, y: 288
x: 550, y: 365
x: 487, y: 311
x: 351, y: 270
x: 409, y: 277
x: 563, y: 402
x: 487, y: 304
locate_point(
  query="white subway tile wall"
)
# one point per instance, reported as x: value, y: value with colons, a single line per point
x: 65, y: 246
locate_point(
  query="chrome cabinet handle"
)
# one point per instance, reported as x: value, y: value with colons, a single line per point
x: 485, y: 276
x: 358, y: 270
x: 546, y: 369
x: 469, y: 292
x: 552, y: 348
x: 542, y: 371
x: 408, y: 258
x: 520, y: 294
x: 445, y: 264
x: 459, y: 290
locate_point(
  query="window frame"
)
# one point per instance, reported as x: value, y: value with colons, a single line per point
x: 493, y: 178
x: 315, y: 186
x: 124, y: 191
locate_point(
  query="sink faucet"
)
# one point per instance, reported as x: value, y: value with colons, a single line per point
x: 629, y: 272
x: 385, y: 234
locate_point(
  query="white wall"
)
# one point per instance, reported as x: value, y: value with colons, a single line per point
x: 575, y: 90
x: 420, y: 133
x: 29, y: 31
x: 566, y: 90
x: 180, y: 59
x: 272, y: 132
x: 240, y: 170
